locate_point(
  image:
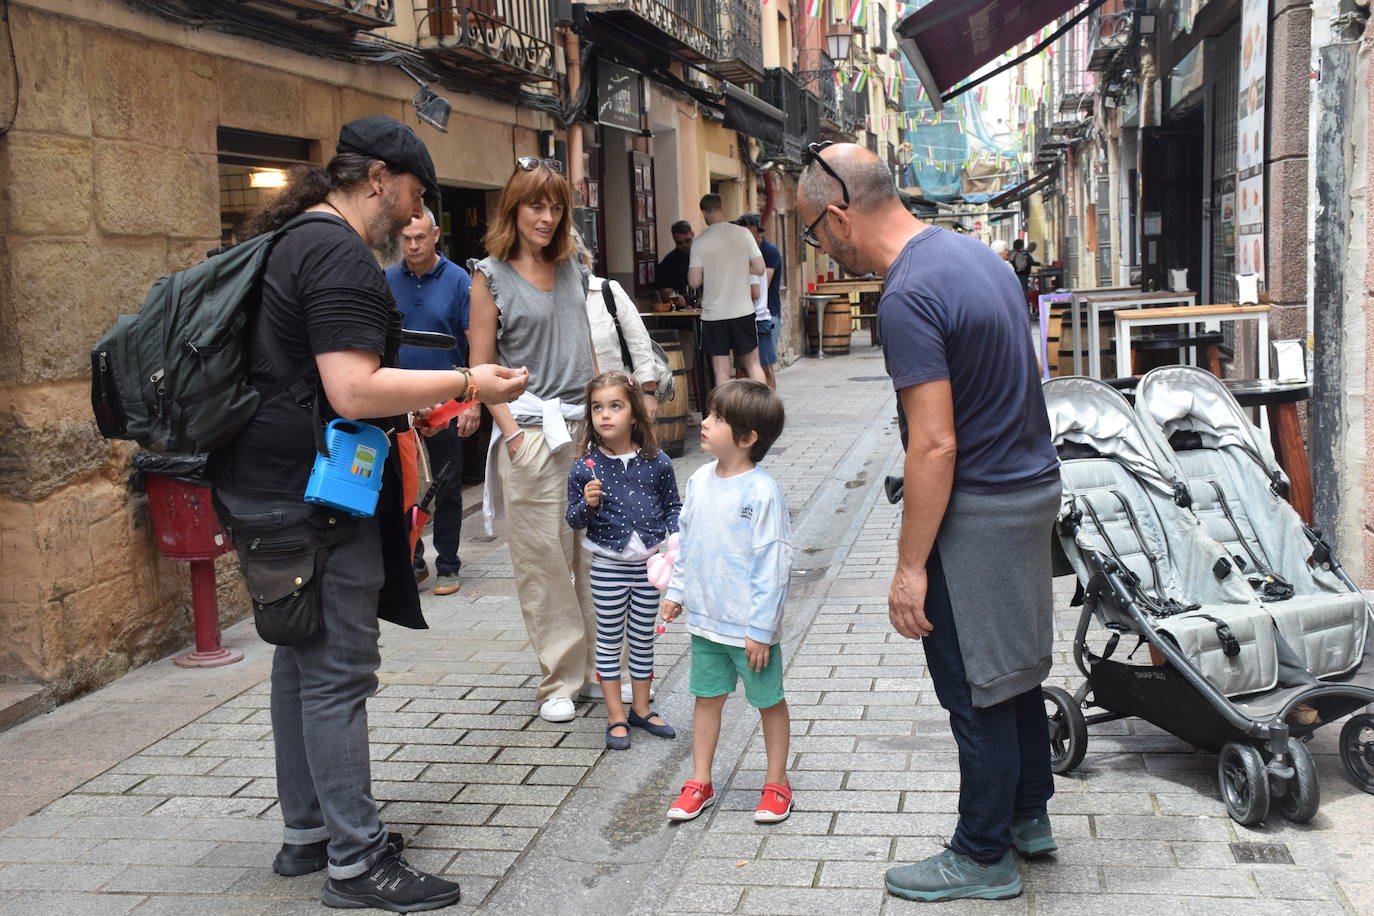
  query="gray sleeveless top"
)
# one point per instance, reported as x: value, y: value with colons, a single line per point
x: 546, y: 332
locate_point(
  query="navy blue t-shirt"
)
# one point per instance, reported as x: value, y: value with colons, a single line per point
x: 951, y: 309
x: 773, y: 258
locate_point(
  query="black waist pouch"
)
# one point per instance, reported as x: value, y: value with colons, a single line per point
x: 282, y: 566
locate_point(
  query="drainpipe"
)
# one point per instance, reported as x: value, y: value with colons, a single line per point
x: 1335, y: 48
x: 572, y: 53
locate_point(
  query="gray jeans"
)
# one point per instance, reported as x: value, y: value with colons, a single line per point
x: 319, y: 698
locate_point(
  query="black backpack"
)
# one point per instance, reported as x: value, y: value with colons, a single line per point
x: 174, y: 377
x: 1021, y: 261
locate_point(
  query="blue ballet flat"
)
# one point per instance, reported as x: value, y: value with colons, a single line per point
x: 616, y: 742
x: 661, y: 731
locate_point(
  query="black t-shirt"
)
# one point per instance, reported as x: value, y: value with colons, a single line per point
x: 671, y: 272
x: 322, y: 292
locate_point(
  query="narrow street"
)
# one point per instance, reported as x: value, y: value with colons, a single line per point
x: 160, y: 794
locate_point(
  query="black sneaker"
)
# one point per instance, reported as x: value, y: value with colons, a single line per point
x: 392, y: 884
x: 296, y: 859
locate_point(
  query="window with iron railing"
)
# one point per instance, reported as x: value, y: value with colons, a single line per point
x: 511, y: 39
x: 781, y: 89
x: 740, y: 38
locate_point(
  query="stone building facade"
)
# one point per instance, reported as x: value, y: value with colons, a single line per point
x: 110, y: 178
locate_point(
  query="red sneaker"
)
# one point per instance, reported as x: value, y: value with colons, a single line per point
x: 775, y: 805
x: 696, y: 797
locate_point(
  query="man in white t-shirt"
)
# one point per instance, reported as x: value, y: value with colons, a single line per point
x: 723, y: 258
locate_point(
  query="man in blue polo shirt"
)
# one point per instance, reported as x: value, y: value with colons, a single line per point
x: 432, y: 294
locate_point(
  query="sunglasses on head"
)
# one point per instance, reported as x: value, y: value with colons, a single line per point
x: 813, y: 154
x: 530, y: 163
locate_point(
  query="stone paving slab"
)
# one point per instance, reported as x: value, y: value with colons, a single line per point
x: 174, y: 811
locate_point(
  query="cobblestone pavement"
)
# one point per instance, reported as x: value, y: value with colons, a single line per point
x: 162, y: 797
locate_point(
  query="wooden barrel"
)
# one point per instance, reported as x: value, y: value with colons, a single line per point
x: 837, y: 322
x: 1106, y: 326
x: 672, y: 413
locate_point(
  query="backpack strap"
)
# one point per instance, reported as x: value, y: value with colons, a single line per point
x: 609, y: 297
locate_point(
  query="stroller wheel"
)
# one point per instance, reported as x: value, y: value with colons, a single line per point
x: 1244, y: 783
x: 1068, y: 730
x: 1302, y: 795
x: 1357, y: 750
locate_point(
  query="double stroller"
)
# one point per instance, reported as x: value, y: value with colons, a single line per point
x: 1175, y: 524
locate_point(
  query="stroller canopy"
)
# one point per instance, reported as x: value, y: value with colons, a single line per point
x: 1175, y: 399
x: 1091, y: 413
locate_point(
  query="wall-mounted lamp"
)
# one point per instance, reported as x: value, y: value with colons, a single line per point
x: 267, y: 178
x: 837, y: 45
x: 430, y: 107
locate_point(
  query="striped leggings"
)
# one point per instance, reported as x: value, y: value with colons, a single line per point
x: 621, y: 590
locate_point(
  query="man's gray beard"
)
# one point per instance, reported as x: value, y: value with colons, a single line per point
x: 389, y: 249
x: 388, y: 231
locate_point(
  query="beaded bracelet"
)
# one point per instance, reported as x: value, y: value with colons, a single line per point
x: 469, y: 392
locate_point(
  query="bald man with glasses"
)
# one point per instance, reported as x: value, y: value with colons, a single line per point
x: 973, y: 579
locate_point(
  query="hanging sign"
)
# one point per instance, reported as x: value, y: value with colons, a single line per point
x: 619, y: 97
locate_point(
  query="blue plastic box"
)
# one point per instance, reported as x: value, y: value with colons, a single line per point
x: 350, y: 479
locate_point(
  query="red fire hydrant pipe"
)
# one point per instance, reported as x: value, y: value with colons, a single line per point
x: 205, y: 607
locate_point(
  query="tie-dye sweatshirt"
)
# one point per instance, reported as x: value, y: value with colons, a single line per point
x: 735, y: 559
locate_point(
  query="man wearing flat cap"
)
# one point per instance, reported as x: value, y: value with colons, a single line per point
x: 325, y: 304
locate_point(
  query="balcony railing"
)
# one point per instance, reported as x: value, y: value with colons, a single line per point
x: 509, y: 40
x: 689, y: 27
x: 854, y: 109
x: 332, y: 15
x: 739, y: 48
x: 818, y: 78
x: 780, y: 89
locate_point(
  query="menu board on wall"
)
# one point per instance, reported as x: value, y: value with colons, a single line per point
x: 1249, y: 206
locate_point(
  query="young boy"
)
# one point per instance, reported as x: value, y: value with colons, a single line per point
x: 731, y: 576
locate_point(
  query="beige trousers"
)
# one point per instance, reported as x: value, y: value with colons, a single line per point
x: 552, y: 570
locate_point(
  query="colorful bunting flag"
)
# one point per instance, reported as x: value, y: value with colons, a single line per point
x: 813, y: 8
x: 858, y: 12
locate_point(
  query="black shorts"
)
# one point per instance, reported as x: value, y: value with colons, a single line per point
x: 718, y: 338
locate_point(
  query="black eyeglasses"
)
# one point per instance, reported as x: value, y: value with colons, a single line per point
x: 813, y: 154
x: 530, y: 163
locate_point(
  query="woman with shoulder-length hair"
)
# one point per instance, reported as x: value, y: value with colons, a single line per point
x: 528, y: 309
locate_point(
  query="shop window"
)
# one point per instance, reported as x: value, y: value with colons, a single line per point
x: 252, y: 167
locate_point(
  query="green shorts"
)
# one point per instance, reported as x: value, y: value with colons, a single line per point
x: 717, y: 667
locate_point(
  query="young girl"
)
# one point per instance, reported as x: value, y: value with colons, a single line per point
x: 623, y: 492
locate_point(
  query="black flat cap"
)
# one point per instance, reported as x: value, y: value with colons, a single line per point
x: 392, y: 142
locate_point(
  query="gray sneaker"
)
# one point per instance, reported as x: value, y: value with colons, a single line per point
x: 949, y: 875
x: 447, y: 584
x: 1033, y: 837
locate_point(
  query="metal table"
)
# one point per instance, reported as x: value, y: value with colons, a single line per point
x: 819, y: 300
x: 1113, y: 300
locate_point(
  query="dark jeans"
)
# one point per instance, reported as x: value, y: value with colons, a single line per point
x: 1004, y: 750
x: 445, y: 447
x: 319, y: 699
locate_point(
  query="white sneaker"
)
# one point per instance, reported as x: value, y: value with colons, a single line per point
x: 557, y: 709
x: 592, y: 691
x: 627, y: 692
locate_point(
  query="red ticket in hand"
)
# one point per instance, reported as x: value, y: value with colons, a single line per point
x: 438, y: 417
